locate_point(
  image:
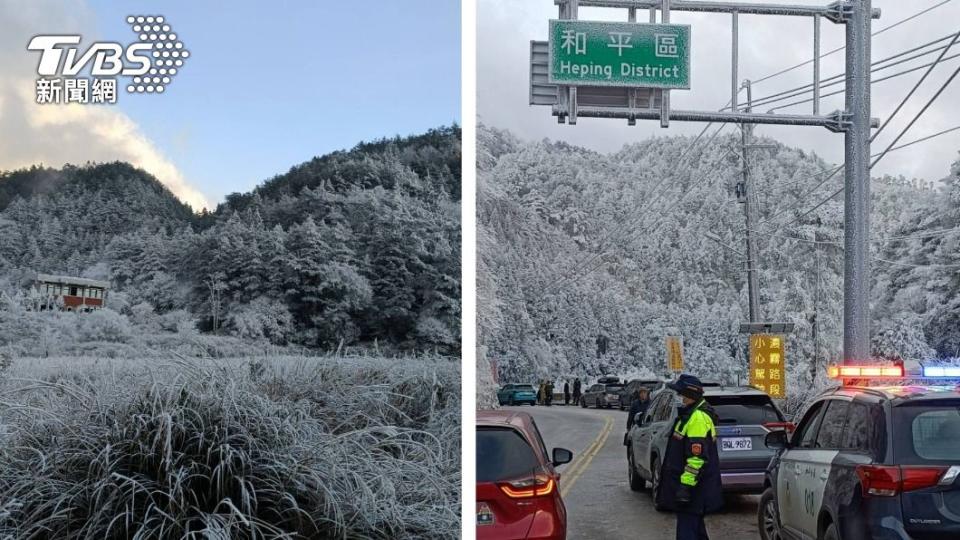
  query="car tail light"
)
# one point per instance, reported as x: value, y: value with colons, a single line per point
x: 788, y: 426
x: 921, y: 477
x: 537, y: 485
x: 887, y: 480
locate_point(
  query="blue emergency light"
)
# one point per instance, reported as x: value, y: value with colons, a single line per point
x: 941, y: 371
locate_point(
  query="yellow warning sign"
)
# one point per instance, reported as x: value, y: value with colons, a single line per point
x: 767, y: 359
x: 674, y: 354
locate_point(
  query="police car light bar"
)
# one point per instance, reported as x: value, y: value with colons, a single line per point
x: 865, y: 372
x: 941, y: 371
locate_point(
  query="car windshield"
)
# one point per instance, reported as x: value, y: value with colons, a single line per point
x: 503, y: 454
x: 614, y: 387
x: 744, y: 410
x: 523, y: 387
x: 926, y: 432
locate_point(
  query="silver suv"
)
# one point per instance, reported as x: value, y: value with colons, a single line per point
x: 746, y: 416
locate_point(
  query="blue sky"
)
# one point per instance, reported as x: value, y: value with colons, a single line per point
x: 272, y: 84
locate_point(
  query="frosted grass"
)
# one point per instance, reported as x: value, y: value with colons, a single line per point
x: 285, y: 447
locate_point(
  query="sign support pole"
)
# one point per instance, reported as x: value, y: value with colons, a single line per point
x: 856, y: 236
x: 665, y: 94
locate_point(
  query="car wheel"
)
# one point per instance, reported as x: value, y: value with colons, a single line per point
x: 768, y: 521
x: 655, y: 484
x: 583, y: 403
x: 510, y: 401
x: 831, y: 533
x: 637, y: 483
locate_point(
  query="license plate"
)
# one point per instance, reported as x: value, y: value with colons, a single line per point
x: 733, y: 444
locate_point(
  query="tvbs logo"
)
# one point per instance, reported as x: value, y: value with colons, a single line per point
x: 151, y: 62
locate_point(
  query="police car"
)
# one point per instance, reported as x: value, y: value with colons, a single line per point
x: 869, y: 462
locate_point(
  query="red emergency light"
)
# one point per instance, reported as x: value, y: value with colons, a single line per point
x: 865, y: 372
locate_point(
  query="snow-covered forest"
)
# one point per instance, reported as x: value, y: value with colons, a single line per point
x: 286, y: 366
x: 587, y: 261
x: 354, y: 248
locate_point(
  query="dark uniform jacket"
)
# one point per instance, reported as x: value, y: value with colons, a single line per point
x: 637, y: 406
x: 692, y: 458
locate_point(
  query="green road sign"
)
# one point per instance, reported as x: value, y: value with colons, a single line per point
x: 594, y: 53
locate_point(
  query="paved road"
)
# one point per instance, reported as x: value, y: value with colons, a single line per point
x: 599, y: 501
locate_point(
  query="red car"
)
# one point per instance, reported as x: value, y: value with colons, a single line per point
x: 518, y: 487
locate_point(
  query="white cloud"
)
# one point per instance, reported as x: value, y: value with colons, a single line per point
x: 57, y: 134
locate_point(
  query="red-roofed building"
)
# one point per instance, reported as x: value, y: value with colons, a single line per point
x: 77, y: 294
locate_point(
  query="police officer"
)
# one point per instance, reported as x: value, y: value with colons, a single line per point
x: 690, y: 474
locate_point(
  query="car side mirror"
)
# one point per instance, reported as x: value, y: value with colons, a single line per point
x: 561, y: 456
x: 777, y: 440
x: 638, y: 419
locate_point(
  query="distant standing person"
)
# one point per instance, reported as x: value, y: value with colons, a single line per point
x: 549, y: 393
x: 576, y: 391
x: 638, y: 405
x: 566, y: 392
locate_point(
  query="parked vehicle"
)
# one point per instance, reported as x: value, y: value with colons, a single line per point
x: 518, y: 487
x: 746, y: 416
x: 602, y: 395
x: 867, y: 463
x: 629, y: 391
x: 517, y: 394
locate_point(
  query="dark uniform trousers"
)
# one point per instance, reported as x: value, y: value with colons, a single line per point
x: 691, y: 527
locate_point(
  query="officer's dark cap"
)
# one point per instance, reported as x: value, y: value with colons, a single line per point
x: 688, y: 386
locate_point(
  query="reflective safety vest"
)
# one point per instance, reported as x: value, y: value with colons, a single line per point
x: 692, y: 459
x: 697, y: 430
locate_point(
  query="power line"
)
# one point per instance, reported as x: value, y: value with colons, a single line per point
x: 838, y: 49
x: 911, y: 265
x: 914, y: 89
x: 878, y: 157
x: 840, y: 77
x: 928, y: 137
x: 881, y: 79
x: 831, y: 173
x: 917, y: 116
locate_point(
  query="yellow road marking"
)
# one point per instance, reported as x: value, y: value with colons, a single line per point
x: 583, y: 462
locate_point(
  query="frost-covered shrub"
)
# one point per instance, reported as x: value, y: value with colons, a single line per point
x: 433, y: 332
x: 261, y: 318
x: 102, y: 325
x: 144, y: 316
x: 179, y: 321
x: 486, y: 386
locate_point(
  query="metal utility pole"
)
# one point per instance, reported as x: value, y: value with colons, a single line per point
x: 856, y: 232
x: 750, y: 209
